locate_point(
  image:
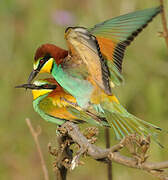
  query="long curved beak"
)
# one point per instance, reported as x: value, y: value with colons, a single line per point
x: 27, y: 86
x: 32, y: 75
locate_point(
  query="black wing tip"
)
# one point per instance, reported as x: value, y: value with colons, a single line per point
x: 122, y: 45
x: 105, y: 71
x: 158, y: 128
x: 160, y: 145
x: 159, y: 9
x: 79, y: 121
x: 118, y: 57
x: 106, y: 123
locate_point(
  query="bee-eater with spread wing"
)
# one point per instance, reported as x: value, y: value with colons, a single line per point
x: 93, y: 65
x: 94, y: 57
x: 57, y: 106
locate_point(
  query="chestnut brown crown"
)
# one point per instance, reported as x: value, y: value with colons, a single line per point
x: 50, y: 50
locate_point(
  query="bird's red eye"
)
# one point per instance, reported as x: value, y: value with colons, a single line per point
x: 41, y: 61
x: 46, y: 86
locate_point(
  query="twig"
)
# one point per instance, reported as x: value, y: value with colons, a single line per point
x: 35, y: 135
x: 113, y: 154
x: 63, y: 157
x: 164, y: 22
x: 109, y: 165
x: 62, y: 154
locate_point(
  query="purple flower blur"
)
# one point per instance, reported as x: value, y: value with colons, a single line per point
x: 63, y: 18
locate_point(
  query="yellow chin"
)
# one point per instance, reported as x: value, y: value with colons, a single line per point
x: 36, y: 93
x: 47, y: 66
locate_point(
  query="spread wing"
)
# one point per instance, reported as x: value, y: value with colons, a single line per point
x: 85, y: 59
x: 115, y: 34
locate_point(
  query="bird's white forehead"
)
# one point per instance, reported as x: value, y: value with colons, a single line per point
x: 39, y: 83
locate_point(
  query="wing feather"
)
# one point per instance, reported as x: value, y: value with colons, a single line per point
x: 115, y: 34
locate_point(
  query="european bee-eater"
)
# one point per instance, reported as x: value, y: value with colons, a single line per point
x: 57, y: 106
x: 94, y: 57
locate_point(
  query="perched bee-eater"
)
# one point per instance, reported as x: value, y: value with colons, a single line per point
x: 94, y: 56
x: 57, y: 106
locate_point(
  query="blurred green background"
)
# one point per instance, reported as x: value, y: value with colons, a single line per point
x: 27, y: 24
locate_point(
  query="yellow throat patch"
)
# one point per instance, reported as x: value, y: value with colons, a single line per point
x: 39, y: 92
x: 46, y: 67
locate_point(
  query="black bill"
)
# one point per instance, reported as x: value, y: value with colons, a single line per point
x: 33, y: 86
x: 27, y: 86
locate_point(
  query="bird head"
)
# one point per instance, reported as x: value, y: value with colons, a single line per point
x: 41, y: 87
x: 44, y: 58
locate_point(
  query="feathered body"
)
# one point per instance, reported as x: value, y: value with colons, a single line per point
x: 55, y: 105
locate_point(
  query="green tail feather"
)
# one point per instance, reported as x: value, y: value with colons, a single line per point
x: 124, y: 123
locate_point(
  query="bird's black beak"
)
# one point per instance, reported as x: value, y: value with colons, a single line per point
x: 27, y: 86
x: 32, y: 75
x: 33, y: 86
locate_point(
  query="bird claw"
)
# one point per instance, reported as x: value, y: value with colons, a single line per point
x: 76, y: 159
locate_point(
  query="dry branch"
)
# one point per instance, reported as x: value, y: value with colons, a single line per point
x: 138, y: 161
x: 63, y: 156
x: 65, y: 159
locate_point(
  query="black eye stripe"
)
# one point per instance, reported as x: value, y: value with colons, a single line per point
x: 43, y: 61
x: 48, y: 86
